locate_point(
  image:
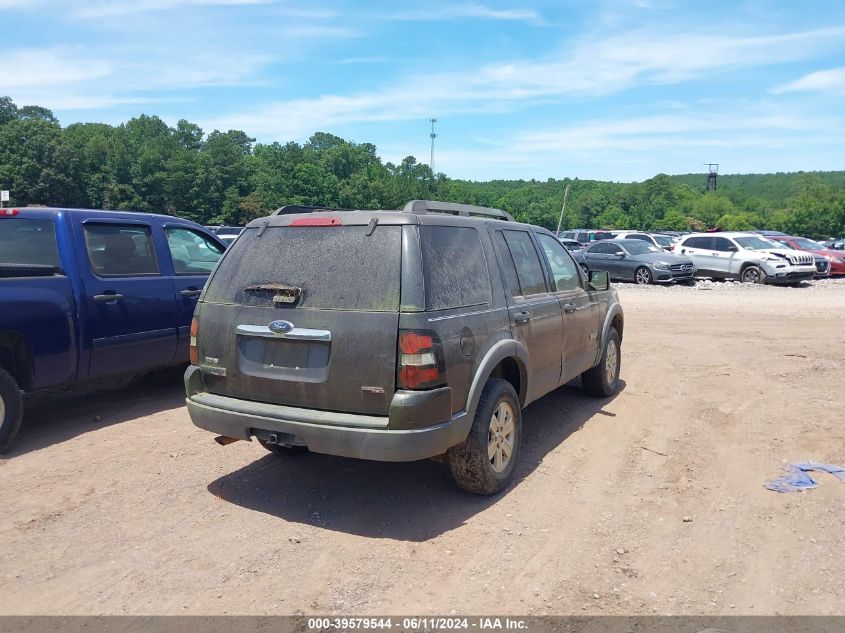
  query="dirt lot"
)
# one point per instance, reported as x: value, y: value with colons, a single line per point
x: 651, y: 502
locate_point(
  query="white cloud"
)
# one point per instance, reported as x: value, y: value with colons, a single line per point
x: 593, y: 67
x: 455, y: 11
x: 832, y: 81
x: 28, y: 68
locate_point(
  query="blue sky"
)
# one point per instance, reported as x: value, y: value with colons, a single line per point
x: 609, y: 90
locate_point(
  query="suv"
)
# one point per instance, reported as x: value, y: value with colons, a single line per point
x: 397, y: 335
x: 748, y: 257
x: 585, y: 236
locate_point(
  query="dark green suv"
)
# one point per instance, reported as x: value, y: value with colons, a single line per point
x: 397, y: 335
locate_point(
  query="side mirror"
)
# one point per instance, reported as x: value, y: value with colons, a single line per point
x: 732, y: 249
x: 599, y: 280
x: 620, y: 254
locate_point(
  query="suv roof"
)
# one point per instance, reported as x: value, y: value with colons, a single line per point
x: 414, y: 206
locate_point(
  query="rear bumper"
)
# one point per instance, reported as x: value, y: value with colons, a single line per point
x: 345, y: 435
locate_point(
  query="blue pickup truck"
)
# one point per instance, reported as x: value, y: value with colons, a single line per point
x: 87, y: 295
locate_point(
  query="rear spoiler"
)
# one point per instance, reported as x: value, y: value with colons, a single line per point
x: 415, y: 206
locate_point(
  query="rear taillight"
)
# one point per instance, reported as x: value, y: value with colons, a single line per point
x: 420, y: 363
x: 8, y: 212
x: 192, y: 348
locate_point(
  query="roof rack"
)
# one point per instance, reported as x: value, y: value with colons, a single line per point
x: 453, y: 208
x: 415, y: 206
x: 289, y: 209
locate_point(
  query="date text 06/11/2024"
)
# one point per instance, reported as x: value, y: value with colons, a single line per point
x: 423, y: 623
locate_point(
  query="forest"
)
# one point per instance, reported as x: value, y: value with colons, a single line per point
x: 227, y: 178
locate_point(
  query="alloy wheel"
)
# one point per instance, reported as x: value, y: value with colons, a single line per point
x: 500, y: 437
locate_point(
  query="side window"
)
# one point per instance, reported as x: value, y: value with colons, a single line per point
x: 28, y: 241
x: 722, y: 244
x: 120, y: 249
x: 455, y: 269
x: 564, y: 270
x: 639, y: 236
x: 526, y: 264
x: 598, y: 249
x: 583, y: 237
x: 698, y: 242
x: 193, y: 253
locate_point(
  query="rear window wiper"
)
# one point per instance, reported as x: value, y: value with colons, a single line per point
x: 282, y: 292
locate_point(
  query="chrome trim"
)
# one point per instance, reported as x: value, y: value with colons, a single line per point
x: 464, y: 314
x: 297, y: 333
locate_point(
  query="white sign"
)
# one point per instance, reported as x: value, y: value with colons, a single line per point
x: 4, y: 196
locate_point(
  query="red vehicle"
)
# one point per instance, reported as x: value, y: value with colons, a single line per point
x: 836, y: 259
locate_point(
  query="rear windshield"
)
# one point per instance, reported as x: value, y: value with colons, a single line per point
x: 329, y: 268
x: 26, y: 241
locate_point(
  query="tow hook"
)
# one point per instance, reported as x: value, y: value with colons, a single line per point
x: 225, y: 440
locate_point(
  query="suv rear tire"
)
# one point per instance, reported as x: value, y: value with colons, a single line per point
x: 603, y: 379
x: 485, y: 461
x: 11, y: 409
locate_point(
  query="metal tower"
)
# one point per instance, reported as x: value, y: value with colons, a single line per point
x: 712, y: 173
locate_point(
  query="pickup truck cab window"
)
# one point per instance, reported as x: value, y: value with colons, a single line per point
x: 120, y: 249
x: 192, y: 252
x: 29, y: 242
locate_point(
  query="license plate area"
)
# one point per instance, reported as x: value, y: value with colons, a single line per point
x: 284, y: 359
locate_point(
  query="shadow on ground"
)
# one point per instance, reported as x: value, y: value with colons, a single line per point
x: 406, y: 501
x: 57, y: 416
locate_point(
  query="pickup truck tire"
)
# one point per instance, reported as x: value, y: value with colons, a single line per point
x: 603, y: 379
x: 283, y: 449
x: 11, y: 409
x: 484, y: 462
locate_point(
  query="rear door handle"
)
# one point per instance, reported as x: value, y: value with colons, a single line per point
x: 107, y: 297
x: 522, y: 317
x: 190, y: 293
x: 569, y: 308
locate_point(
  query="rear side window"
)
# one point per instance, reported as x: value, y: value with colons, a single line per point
x: 120, y: 249
x: 30, y: 242
x: 698, y: 242
x: 525, y: 263
x: 455, y: 269
x: 331, y: 268
x: 639, y: 236
x: 192, y: 252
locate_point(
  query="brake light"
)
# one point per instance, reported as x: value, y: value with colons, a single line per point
x: 420, y: 363
x: 192, y: 348
x: 317, y: 222
x: 9, y: 212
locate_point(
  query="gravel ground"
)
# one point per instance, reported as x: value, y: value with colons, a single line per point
x: 649, y: 502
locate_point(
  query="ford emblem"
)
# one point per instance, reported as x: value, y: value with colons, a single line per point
x: 280, y: 327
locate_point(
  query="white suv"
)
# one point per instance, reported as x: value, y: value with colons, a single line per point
x: 747, y: 257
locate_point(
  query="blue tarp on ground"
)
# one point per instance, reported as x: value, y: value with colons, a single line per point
x: 796, y: 477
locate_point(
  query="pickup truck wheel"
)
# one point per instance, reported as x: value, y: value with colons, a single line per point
x: 603, y: 379
x: 11, y: 409
x: 753, y: 275
x: 283, y: 449
x: 485, y: 461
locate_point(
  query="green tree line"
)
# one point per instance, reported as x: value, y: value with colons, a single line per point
x: 228, y: 178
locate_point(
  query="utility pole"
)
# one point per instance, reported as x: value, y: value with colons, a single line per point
x: 433, y: 136
x: 562, y: 209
